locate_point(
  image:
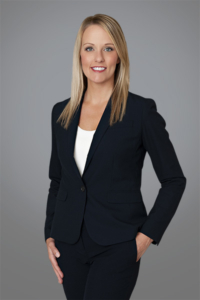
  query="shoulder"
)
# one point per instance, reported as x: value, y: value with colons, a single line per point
x: 58, y: 107
x: 141, y: 104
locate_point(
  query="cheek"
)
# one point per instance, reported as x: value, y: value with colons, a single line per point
x: 112, y: 61
x: 85, y: 60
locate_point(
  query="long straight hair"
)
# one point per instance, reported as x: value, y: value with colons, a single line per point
x: 121, y: 77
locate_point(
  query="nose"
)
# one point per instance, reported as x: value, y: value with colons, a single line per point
x: 99, y: 56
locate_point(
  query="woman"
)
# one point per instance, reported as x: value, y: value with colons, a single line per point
x: 97, y: 227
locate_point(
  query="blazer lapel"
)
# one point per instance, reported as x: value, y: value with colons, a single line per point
x: 100, y: 131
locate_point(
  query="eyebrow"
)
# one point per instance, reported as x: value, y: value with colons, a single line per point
x: 93, y: 44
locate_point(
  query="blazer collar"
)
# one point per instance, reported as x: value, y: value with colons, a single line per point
x: 98, y: 135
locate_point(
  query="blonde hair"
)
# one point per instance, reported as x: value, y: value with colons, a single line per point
x: 79, y: 80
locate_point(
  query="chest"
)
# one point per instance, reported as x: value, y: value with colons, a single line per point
x: 90, y: 116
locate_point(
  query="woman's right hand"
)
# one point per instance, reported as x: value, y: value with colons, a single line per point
x: 53, y: 253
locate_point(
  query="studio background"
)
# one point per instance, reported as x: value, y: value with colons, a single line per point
x: 37, y: 40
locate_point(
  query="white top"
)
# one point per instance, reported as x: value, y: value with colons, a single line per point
x: 82, y: 146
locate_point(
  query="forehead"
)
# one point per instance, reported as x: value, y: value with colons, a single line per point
x: 96, y: 35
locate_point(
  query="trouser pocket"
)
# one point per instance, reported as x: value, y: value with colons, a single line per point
x: 135, y: 249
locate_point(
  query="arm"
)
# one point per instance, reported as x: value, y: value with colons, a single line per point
x: 55, y: 177
x: 168, y: 170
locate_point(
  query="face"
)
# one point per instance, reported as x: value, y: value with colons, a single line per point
x: 97, y: 50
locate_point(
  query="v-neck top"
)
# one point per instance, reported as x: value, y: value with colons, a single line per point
x: 82, y: 146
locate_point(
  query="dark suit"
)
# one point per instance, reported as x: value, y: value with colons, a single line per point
x: 107, y: 196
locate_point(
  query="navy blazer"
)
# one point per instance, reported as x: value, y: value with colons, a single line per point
x: 107, y: 195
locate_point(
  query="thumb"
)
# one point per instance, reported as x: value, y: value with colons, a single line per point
x: 56, y: 252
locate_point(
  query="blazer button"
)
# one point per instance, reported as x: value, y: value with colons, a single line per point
x: 82, y: 188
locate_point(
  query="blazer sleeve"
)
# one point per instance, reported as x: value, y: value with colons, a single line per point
x: 157, y: 143
x: 55, y: 177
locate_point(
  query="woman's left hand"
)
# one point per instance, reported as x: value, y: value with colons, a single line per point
x: 142, y: 243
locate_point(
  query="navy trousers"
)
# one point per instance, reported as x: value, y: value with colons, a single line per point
x: 96, y: 272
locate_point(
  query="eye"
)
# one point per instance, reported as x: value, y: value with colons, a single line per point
x: 109, y: 48
x: 105, y: 48
x: 88, y: 48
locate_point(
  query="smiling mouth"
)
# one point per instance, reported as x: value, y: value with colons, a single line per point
x: 98, y: 69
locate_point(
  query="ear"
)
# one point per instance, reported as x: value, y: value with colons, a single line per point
x: 118, y: 60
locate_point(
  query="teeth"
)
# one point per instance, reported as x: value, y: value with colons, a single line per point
x: 98, y: 69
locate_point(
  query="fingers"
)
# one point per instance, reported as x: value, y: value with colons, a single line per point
x: 53, y: 253
x: 55, y: 265
x: 58, y: 275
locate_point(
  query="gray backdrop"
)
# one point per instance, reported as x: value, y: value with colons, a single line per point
x: 37, y: 40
